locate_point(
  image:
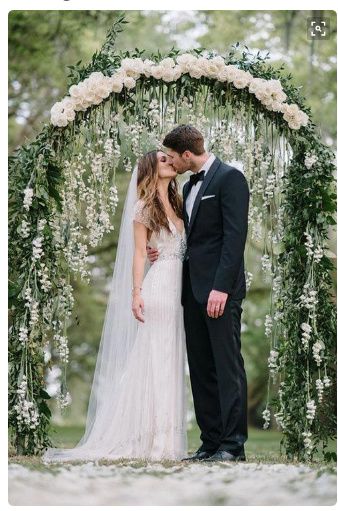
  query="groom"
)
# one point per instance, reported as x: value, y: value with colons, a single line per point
x: 215, y: 208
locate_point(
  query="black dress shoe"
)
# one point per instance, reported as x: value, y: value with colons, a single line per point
x: 199, y: 455
x: 225, y: 456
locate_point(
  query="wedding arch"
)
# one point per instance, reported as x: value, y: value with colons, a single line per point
x: 63, y: 196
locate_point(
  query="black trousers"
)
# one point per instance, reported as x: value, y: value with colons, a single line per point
x: 217, y: 373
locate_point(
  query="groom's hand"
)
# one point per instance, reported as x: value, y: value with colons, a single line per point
x: 216, y: 303
x: 152, y: 254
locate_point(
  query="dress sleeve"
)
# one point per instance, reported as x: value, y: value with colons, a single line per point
x: 140, y: 214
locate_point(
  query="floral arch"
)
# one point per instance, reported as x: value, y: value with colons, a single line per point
x: 63, y: 197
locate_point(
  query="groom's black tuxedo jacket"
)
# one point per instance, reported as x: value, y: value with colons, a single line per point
x: 216, y: 233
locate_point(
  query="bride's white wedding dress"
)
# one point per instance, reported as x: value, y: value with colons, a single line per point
x: 147, y: 418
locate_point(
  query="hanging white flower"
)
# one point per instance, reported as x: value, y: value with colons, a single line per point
x: 266, y: 417
x: 318, y: 254
x: 320, y: 389
x: 311, y: 410
x: 268, y: 323
x: 24, y: 229
x: 308, y: 244
x: 316, y: 349
x: 272, y: 361
x: 306, y: 331
x: 307, y: 441
x: 28, y: 198
x: 37, y: 247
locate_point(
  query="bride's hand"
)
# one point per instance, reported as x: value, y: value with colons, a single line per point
x: 138, y: 307
x: 152, y: 254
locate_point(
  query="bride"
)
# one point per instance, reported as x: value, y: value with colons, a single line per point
x: 137, y: 405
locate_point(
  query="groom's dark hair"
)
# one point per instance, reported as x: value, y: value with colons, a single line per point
x: 185, y: 138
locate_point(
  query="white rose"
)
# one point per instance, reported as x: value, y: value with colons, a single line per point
x: 195, y: 72
x: 294, y: 116
x: 168, y: 74
x: 186, y: 61
x: 147, y: 66
x: 132, y: 67
x: 116, y: 83
x: 231, y: 72
x: 178, y: 71
x: 168, y: 62
x: 275, y: 106
x: 222, y: 76
x: 256, y: 84
x: 202, y: 64
x: 215, y: 66
x: 62, y: 112
x: 242, y: 80
x: 129, y: 82
x: 157, y: 72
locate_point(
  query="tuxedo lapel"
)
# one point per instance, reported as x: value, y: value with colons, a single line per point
x: 185, y: 215
x: 210, y: 174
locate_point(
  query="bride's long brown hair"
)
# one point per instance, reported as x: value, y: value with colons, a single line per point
x: 147, y: 179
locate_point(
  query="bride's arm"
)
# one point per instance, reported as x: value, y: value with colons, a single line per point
x: 140, y: 256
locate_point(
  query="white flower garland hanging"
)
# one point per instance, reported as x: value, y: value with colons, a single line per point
x: 97, y: 87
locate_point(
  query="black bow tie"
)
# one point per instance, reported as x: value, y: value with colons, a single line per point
x: 194, y: 178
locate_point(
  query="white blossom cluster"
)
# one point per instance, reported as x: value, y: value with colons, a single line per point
x: 97, y: 87
x: 44, y: 277
x: 308, y: 244
x: 279, y: 416
x: 277, y: 284
x: 269, y: 189
x: 113, y: 197
x: 27, y: 413
x: 310, y: 160
x: 24, y: 229
x: 266, y: 417
x: 272, y: 361
x: 318, y: 254
x: 62, y: 346
x: 266, y: 266
x: 37, y: 248
x: 327, y: 382
x: 248, y: 279
x: 28, y: 198
x: 34, y: 313
x: 268, y: 323
x: 255, y: 220
x: 66, y: 298
x: 320, y: 389
x: 307, y: 441
x: 306, y: 331
x: 308, y: 298
x: 63, y: 400
x: 311, y: 410
x: 316, y: 349
x: 23, y: 335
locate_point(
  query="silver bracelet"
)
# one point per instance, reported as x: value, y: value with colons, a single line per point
x: 136, y: 287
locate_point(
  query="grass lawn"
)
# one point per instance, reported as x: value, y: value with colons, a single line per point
x: 261, y: 447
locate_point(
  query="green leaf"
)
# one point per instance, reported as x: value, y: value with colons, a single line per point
x: 44, y: 394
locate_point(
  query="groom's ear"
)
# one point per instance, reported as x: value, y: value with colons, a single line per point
x: 186, y: 155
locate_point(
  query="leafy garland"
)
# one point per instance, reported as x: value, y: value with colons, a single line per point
x: 44, y: 206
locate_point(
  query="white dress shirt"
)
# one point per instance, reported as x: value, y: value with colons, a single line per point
x: 195, y: 188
